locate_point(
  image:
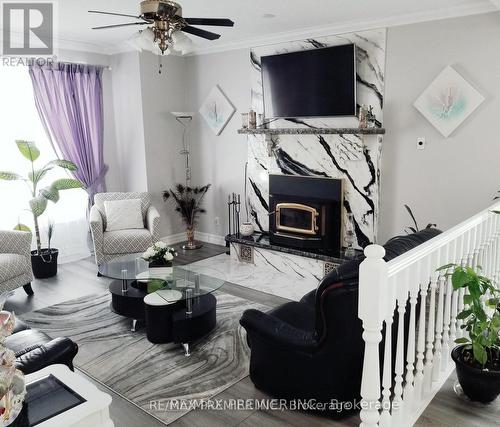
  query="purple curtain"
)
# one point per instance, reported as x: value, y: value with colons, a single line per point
x: 68, y: 98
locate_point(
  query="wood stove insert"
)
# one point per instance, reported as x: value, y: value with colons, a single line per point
x: 306, y: 212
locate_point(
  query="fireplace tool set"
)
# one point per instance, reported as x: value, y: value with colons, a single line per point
x: 234, y: 208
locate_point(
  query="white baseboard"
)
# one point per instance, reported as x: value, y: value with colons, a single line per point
x: 210, y: 238
x: 215, y: 239
x: 172, y: 239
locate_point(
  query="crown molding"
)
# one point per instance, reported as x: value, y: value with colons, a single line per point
x: 484, y: 6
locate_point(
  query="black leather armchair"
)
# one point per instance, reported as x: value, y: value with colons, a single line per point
x: 35, y: 350
x: 313, y: 349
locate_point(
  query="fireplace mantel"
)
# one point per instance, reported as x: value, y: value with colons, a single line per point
x: 312, y: 131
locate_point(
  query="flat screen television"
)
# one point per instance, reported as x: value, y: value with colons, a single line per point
x: 311, y: 83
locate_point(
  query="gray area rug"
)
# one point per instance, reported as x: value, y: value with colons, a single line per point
x: 142, y: 372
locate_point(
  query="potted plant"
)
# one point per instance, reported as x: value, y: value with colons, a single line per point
x: 43, y: 260
x: 187, y: 202
x: 477, y: 357
x: 159, y: 255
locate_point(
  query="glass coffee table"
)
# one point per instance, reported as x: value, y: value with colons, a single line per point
x: 175, y: 302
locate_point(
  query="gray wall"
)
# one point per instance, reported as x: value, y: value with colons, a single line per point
x: 452, y: 178
x: 445, y: 183
x: 218, y: 160
x: 127, y: 103
x: 161, y: 94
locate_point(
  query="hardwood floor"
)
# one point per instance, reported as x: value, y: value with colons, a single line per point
x: 79, y: 279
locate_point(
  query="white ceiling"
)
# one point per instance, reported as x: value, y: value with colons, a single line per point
x: 251, y: 28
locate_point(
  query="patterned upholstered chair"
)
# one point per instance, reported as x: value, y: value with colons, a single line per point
x: 15, y: 261
x: 113, y: 244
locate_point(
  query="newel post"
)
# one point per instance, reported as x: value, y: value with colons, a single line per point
x: 372, y: 306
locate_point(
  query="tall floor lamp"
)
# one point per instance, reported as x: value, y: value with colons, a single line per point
x: 184, y: 118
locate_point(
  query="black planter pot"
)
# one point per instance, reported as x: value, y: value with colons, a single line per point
x: 478, y: 385
x: 44, y: 265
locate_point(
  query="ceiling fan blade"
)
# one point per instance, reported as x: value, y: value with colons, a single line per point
x: 200, y: 33
x: 120, y: 25
x: 115, y: 14
x: 216, y: 22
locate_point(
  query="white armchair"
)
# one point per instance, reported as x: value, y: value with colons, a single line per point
x: 113, y: 244
x: 15, y: 261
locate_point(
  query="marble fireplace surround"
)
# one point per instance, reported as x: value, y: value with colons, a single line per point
x: 353, y: 157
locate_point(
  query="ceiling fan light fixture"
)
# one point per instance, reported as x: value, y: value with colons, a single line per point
x: 166, y: 27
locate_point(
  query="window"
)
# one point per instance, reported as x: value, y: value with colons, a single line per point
x: 19, y: 119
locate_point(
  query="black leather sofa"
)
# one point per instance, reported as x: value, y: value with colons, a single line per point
x: 35, y: 350
x: 313, y: 349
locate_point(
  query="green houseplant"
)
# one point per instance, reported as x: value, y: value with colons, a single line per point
x: 477, y: 356
x: 43, y: 260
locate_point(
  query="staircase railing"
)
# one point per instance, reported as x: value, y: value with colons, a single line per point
x: 397, y: 395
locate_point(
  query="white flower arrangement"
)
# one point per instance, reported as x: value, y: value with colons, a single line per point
x: 159, y: 253
x: 12, y: 385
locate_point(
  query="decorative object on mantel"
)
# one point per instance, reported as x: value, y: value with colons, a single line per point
x: 43, y: 260
x: 312, y: 131
x: 246, y: 227
x: 244, y: 120
x: 363, y: 119
x: 448, y: 101
x: 12, y: 385
x: 217, y: 110
x: 252, y: 119
x: 371, y: 118
x: 184, y: 118
x: 187, y: 201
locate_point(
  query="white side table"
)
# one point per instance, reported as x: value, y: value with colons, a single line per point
x: 94, y: 412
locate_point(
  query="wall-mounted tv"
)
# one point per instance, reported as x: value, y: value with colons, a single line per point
x: 310, y: 83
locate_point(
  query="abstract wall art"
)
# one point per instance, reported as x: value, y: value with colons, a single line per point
x: 448, y: 101
x: 217, y: 110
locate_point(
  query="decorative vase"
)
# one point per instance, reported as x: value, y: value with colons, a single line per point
x: 191, y: 244
x: 246, y: 229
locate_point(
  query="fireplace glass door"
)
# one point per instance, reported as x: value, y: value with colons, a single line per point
x: 296, y: 218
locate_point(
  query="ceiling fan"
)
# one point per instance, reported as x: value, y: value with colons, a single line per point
x: 165, y: 19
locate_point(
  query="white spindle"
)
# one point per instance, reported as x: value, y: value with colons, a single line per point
x: 454, y: 297
x: 385, y: 416
x: 373, y: 284
x: 414, y: 285
x: 436, y: 368
x: 429, y: 355
x: 424, y: 285
x: 402, y: 297
x: 496, y: 248
x: 462, y: 259
x: 445, y: 353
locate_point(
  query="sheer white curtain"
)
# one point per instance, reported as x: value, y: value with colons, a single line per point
x: 19, y: 120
